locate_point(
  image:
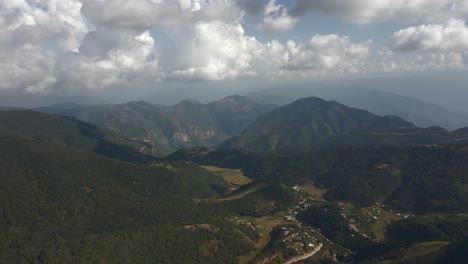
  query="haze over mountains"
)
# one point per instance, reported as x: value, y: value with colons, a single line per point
x: 313, y: 122
x: 312, y: 171
x: 421, y: 113
x: 186, y: 124
x: 70, y: 132
x: 234, y: 131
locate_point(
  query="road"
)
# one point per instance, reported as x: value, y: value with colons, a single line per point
x: 306, y: 256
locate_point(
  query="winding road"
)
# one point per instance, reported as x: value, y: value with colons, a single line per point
x: 305, y: 256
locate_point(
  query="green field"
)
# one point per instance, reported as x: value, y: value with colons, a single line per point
x: 264, y: 227
x: 233, y: 176
x: 249, y: 190
x: 380, y: 226
x: 422, y: 253
x: 311, y: 189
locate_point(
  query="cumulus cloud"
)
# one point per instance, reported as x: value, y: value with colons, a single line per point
x: 251, y: 7
x: 367, y: 11
x: 34, y: 22
x: 276, y: 18
x: 451, y: 36
x: 325, y: 53
x: 216, y: 51
x: 220, y: 51
x: 50, y: 45
x: 34, y: 34
x: 144, y: 14
x: 27, y: 67
x: 132, y: 59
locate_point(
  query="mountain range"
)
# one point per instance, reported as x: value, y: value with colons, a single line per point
x: 316, y: 175
x: 419, y: 112
x: 311, y: 123
x: 168, y: 128
x: 71, y: 132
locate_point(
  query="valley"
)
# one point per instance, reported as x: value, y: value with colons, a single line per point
x: 394, y: 193
x: 233, y: 131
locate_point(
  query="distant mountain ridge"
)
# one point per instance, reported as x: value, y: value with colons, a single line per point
x: 70, y: 132
x: 421, y: 113
x: 310, y: 123
x: 168, y: 128
x: 463, y: 130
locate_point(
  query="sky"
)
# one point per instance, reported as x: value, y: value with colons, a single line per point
x: 123, y: 48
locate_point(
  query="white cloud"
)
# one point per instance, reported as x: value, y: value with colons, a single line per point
x: 367, y: 11
x: 327, y: 54
x: 27, y: 67
x: 451, y: 36
x: 34, y: 22
x: 33, y: 34
x: 144, y: 14
x: 423, y: 62
x: 48, y: 45
x: 215, y: 51
x: 276, y: 18
x: 133, y: 59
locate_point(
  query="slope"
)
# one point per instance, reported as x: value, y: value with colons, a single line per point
x: 71, y: 132
x: 419, y: 112
x: 59, y: 204
x: 186, y: 124
x: 310, y: 123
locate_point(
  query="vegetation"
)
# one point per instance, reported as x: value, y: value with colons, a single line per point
x: 310, y: 124
x: 71, y: 192
x: 71, y: 132
x: 59, y: 204
x: 166, y: 129
x: 233, y: 176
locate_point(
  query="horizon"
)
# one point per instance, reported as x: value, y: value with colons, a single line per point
x: 167, y: 51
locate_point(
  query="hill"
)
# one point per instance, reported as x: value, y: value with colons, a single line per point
x: 60, y: 204
x: 186, y: 124
x: 461, y: 131
x: 419, y: 112
x: 399, y: 204
x: 311, y: 123
x: 70, y: 132
x: 421, y: 179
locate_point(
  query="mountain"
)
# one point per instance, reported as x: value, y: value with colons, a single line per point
x: 186, y: 124
x: 60, y: 202
x: 34, y: 100
x: 63, y: 205
x: 462, y: 131
x: 9, y: 108
x: 315, y: 123
x: 395, y: 204
x: 69, y: 131
x: 421, y: 113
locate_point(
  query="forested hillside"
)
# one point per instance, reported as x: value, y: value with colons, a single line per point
x: 168, y: 128
x: 311, y: 124
x: 68, y: 131
x: 63, y: 205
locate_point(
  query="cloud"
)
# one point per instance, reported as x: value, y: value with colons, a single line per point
x: 33, y: 22
x: 367, y: 11
x: 276, y: 18
x: 251, y: 7
x: 51, y: 45
x: 451, y: 36
x: 144, y: 14
x: 133, y: 59
x: 34, y: 35
x: 325, y: 54
x: 27, y: 67
x: 215, y: 51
